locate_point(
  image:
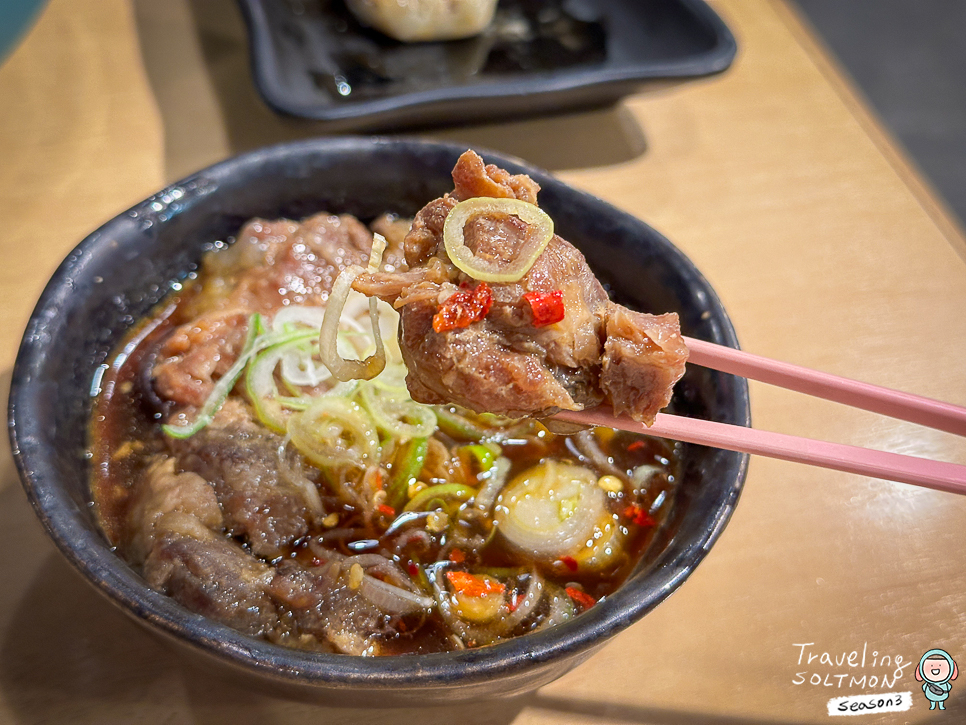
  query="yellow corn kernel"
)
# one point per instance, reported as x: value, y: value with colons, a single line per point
x: 611, y: 484
x: 355, y: 576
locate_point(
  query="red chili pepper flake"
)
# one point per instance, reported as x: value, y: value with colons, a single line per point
x: 412, y: 568
x: 316, y: 561
x: 582, y: 599
x: 473, y: 586
x: 569, y: 562
x: 387, y: 510
x: 463, y: 308
x: 636, y: 446
x: 547, y: 307
x: 457, y: 556
x: 638, y: 516
x: 514, y: 601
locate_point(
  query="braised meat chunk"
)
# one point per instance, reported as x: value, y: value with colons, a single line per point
x: 167, y: 500
x: 214, y: 577
x: 242, y: 460
x: 644, y: 357
x: 327, y: 606
x: 533, y: 343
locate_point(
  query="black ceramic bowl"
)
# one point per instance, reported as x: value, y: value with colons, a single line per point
x: 123, y: 269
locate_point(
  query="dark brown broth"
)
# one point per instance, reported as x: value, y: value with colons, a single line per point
x: 126, y: 432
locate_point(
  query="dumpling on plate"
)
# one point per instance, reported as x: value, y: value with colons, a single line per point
x: 418, y: 20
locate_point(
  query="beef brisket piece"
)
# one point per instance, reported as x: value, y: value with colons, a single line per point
x: 216, y: 578
x: 240, y: 459
x: 507, y: 362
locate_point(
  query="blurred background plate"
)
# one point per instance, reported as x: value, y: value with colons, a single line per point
x: 312, y: 59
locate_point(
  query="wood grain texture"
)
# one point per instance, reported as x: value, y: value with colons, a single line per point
x: 824, y: 244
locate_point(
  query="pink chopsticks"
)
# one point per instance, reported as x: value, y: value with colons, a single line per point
x: 913, y: 408
x: 851, y: 459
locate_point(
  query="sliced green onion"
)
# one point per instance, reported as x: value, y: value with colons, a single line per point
x: 260, y: 327
x: 495, y: 480
x: 295, y: 403
x: 335, y: 432
x: 260, y: 382
x: 442, y: 491
x: 224, y: 385
x: 538, y: 236
x: 299, y: 369
x: 457, y: 426
x: 411, y: 462
x: 484, y: 456
x: 396, y: 414
x: 551, y: 510
x: 460, y: 426
x: 262, y: 391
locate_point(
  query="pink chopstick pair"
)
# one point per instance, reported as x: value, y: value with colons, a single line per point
x: 851, y: 459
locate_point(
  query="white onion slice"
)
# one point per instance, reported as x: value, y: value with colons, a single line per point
x: 392, y: 599
x: 528, y: 602
x: 292, y: 473
x: 305, y: 315
x: 374, y: 562
x: 561, y: 609
x: 344, y: 370
x: 642, y: 475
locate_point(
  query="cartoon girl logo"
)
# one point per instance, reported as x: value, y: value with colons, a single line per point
x: 935, y: 670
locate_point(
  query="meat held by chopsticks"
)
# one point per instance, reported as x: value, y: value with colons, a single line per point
x: 500, y: 315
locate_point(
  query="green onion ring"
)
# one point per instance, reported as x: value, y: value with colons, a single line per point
x: 538, y: 237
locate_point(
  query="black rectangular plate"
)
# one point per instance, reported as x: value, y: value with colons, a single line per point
x: 312, y: 59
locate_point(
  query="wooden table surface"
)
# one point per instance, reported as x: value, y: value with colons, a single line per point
x: 826, y: 247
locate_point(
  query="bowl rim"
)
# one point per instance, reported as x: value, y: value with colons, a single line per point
x: 91, y: 554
